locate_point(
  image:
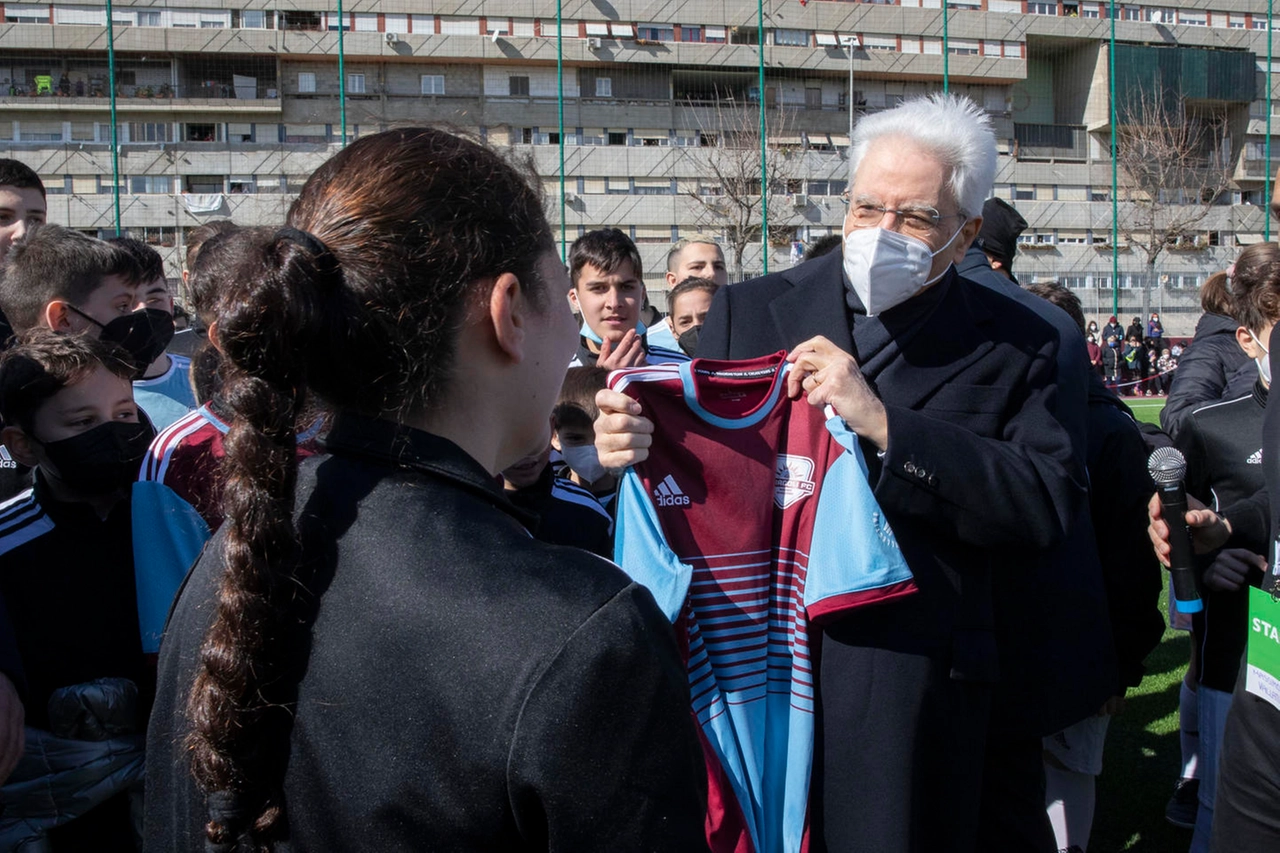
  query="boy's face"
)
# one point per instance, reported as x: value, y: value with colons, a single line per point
x: 573, y: 435
x: 19, y: 210
x: 115, y: 297
x: 609, y: 303
x: 701, y: 260
x: 98, y: 398
x: 154, y: 294
x: 689, y: 310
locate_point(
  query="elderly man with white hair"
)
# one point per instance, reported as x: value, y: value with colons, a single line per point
x: 951, y: 389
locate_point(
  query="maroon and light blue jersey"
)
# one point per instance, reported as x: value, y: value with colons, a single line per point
x: 750, y: 520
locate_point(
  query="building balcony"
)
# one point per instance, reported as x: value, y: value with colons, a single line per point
x: 1050, y: 142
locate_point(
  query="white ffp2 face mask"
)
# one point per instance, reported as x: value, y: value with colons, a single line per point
x: 886, y: 268
x: 585, y: 462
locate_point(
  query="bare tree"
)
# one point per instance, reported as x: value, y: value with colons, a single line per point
x: 728, y: 196
x: 1176, y: 163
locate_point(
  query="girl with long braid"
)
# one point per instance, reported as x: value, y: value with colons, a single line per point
x: 373, y: 653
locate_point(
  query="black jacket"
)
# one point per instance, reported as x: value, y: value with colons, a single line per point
x: 1119, y: 488
x: 1052, y: 679
x: 1203, y: 370
x: 466, y: 687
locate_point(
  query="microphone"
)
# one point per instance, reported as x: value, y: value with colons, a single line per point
x: 1167, y: 468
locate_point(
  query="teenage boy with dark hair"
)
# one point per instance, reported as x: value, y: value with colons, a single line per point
x: 164, y: 390
x: 66, y: 575
x: 22, y: 204
x: 687, y: 306
x: 608, y: 291
x: 573, y: 433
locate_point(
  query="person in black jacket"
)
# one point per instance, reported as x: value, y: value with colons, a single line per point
x: 1214, y: 366
x: 1119, y: 486
x: 373, y: 654
x: 951, y: 388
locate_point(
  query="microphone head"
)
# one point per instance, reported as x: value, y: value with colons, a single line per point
x: 1167, y: 466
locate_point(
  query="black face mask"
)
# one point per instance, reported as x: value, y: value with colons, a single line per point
x: 144, y: 334
x: 100, y: 460
x: 688, y: 341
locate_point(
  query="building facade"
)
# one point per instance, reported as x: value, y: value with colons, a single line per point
x: 224, y: 107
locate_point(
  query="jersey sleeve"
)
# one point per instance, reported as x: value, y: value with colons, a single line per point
x: 168, y: 536
x: 854, y: 559
x: 642, y: 551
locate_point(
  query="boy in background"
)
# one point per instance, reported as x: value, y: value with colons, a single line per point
x: 164, y: 391
x: 567, y: 513
x: 608, y: 291
x: 687, y: 306
x: 67, y: 580
x: 573, y: 433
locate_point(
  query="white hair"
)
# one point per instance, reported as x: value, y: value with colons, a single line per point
x: 952, y: 128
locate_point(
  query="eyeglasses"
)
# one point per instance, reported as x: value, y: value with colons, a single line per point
x: 914, y: 220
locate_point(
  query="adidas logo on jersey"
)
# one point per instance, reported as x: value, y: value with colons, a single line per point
x: 669, y: 494
x: 1255, y: 458
x: 6, y: 461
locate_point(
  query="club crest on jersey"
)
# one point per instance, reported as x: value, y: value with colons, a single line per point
x: 668, y: 493
x: 792, y: 480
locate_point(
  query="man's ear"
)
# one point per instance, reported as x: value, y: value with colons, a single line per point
x: 573, y: 300
x: 58, y: 316
x: 509, y: 315
x: 968, y: 233
x: 555, y: 438
x: 671, y: 279
x: 19, y: 445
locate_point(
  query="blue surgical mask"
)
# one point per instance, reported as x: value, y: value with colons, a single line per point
x: 1264, y: 364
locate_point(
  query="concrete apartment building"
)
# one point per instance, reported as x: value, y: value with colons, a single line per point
x: 224, y: 107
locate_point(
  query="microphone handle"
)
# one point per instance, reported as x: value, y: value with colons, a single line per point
x: 1182, y: 571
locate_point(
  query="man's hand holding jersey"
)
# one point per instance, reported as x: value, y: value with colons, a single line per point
x: 830, y: 377
x: 826, y: 374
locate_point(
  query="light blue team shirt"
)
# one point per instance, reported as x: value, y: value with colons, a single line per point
x: 167, y: 397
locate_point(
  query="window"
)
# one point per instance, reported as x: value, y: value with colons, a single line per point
x: 249, y: 19
x: 239, y: 132
x: 241, y: 184
x: 690, y: 33
x: 204, y: 184
x: 1132, y: 13
x: 604, y: 87
x: 433, y: 84
x: 355, y: 84
x: 744, y: 35
x: 1024, y: 193
x: 84, y: 131
x: 40, y: 131
x: 1193, y: 18
x: 1042, y: 8
x: 657, y: 32
x: 55, y: 184
x: 150, y: 132
x: 962, y: 47
x: 200, y: 133
x: 306, y: 82
x: 151, y: 184
x: 652, y: 186
x: 519, y: 86
x: 616, y: 138
x: 366, y: 22
x: 714, y: 35
x: 791, y: 38
x: 148, y: 19
x: 880, y: 42
x: 15, y: 14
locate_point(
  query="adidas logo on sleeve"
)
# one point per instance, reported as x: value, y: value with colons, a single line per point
x: 668, y: 493
x: 1255, y: 458
x: 6, y: 460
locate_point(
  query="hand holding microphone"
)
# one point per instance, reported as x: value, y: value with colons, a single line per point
x: 1175, y: 536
